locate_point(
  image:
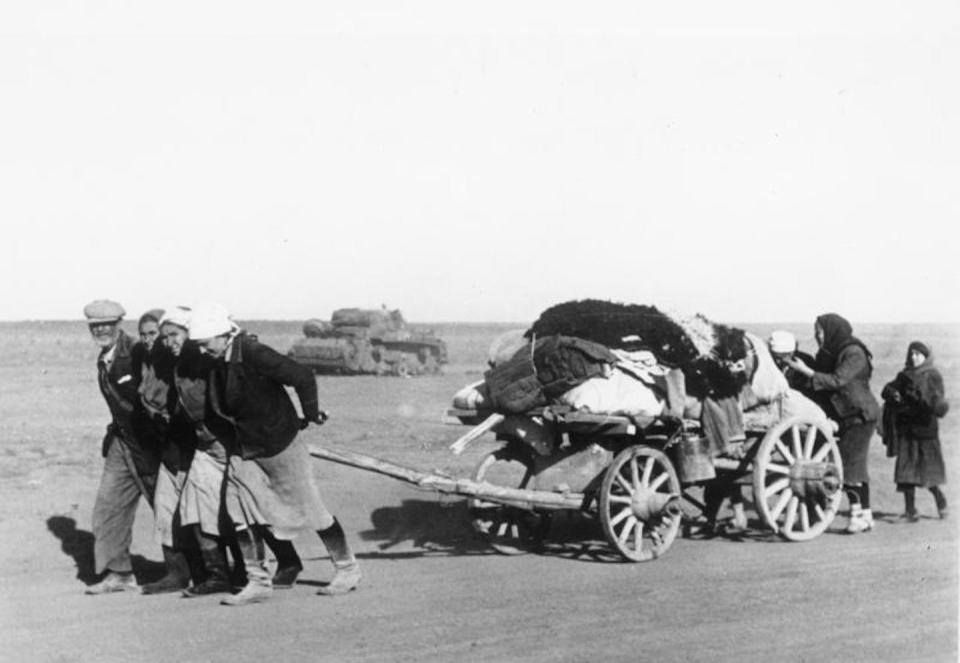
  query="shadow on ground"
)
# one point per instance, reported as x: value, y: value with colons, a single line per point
x: 78, y: 544
x: 432, y: 527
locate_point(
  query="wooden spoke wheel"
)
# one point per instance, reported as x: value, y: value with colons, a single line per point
x: 509, y: 530
x: 640, y: 503
x: 797, y: 479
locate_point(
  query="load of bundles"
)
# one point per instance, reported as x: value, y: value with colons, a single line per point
x: 634, y: 360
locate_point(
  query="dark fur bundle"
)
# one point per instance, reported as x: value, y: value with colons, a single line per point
x: 702, y: 349
x: 613, y: 324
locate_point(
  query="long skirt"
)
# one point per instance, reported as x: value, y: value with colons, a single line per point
x: 919, y: 462
x: 854, y: 446
x: 220, y: 493
x: 298, y: 505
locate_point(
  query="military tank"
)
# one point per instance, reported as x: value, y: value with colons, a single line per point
x: 368, y: 342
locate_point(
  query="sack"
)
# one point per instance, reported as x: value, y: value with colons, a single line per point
x: 621, y: 393
x: 513, y: 386
x: 564, y: 362
x: 557, y: 364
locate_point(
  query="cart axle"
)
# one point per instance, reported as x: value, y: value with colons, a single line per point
x: 649, y: 505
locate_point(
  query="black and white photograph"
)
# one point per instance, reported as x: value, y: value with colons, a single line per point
x: 498, y: 332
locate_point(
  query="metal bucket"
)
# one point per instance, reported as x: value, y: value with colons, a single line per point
x: 694, y: 459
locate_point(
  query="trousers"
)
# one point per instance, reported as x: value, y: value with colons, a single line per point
x: 115, y: 508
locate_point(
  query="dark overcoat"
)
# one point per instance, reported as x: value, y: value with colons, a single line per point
x: 118, y: 383
x: 251, y: 410
x: 914, y: 401
x: 848, y: 388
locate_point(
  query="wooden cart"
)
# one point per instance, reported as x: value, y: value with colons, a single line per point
x: 625, y: 470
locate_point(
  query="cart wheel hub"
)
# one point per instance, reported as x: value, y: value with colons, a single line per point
x: 649, y: 504
x: 816, y: 480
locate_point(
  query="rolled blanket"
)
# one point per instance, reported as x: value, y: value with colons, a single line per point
x: 711, y: 355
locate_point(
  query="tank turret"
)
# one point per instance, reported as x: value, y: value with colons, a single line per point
x: 368, y: 341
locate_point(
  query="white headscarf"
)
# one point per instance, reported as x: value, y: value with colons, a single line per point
x: 177, y: 315
x: 209, y: 320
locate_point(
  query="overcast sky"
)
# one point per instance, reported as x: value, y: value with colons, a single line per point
x: 750, y: 161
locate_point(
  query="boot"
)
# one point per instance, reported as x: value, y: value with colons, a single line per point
x: 347, y: 570
x: 177, y: 577
x: 258, y: 587
x: 289, y: 565
x: 909, y: 505
x: 941, y: 500
x: 217, y: 580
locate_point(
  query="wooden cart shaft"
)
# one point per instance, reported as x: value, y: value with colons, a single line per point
x: 516, y: 497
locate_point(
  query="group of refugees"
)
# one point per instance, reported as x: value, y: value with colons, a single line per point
x: 838, y: 380
x: 204, y: 429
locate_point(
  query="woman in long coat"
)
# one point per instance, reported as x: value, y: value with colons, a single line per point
x: 840, y: 382
x: 913, y: 402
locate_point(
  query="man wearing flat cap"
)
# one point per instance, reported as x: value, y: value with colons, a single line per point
x: 129, y: 470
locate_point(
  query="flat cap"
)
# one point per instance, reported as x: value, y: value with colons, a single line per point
x: 103, y: 310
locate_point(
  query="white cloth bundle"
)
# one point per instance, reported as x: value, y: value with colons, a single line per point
x: 768, y: 383
x: 620, y: 393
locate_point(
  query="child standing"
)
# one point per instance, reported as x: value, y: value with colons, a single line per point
x: 913, y: 402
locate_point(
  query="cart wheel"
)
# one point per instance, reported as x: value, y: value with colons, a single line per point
x: 509, y: 530
x: 640, y: 503
x: 797, y: 476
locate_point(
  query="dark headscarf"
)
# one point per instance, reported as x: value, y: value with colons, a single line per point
x: 923, y: 349
x: 837, y: 335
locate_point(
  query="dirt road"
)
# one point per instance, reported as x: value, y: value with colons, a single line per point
x: 431, y: 590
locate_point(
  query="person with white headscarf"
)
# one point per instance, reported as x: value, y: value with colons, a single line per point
x: 253, y: 415
x: 784, y: 347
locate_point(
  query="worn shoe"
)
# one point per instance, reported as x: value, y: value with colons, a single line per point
x: 860, y: 522
x: 177, y: 576
x: 114, y: 582
x: 286, y: 576
x: 344, y: 580
x: 251, y: 593
x: 909, y: 517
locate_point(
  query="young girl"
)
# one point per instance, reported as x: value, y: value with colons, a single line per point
x: 913, y: 403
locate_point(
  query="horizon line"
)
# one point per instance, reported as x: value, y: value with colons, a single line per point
x: 503, y: 322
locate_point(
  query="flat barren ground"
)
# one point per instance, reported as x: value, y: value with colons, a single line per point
x: 432, y: 591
